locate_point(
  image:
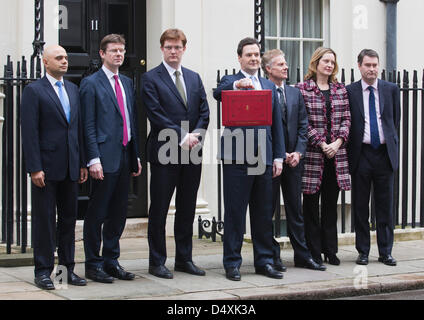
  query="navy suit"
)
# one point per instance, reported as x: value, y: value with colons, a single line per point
x: 374, y: 166
x: 296, y: 140
x: 166, y: 110
x: 52, y: 145
x: 103, y: 129
x: 242, y: 189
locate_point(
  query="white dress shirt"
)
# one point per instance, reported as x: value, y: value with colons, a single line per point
x: 53, y: 82
x: 171, y: 72
x: 366, y: 96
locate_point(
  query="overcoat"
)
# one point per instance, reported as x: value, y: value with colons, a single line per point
x: 317, y: 133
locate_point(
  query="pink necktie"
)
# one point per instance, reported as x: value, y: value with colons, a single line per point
x: 120, y: 99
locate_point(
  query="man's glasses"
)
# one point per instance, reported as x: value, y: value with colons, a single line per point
x: 116, y: 51
x: 176, y: 48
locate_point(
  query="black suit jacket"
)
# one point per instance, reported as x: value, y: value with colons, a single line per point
x: 166, y: 110
x: 389, y: 99
x: 103, y: 122
x: 50, y: 143
x: 297, y: 121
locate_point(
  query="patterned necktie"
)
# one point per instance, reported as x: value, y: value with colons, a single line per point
x: 282, y: 102
x: 121, y: 105
x: 375, y: 137
x: 64, y: 100
x: 180, y: 87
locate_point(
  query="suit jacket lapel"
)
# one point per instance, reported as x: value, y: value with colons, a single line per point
x: 54, y: 97
x: 164, y: 75
x: 289, y: 101
x: 72, y: 101
x: 128, y: 94
x: 188, y: 84
x: 359, y: 95
x: 381, y: 96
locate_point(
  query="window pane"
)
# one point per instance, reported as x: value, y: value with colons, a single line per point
x: 270, y: 44
x: 271, y: 18
x: 312, y: 14
x: 290, y: 18
x: 308, y: 50
x: 292, y: 53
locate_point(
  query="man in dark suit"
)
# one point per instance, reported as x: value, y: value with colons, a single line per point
x: 109, y: 116
x: 295, y: 124
x: 54, y: 157
x: 177, y: 109
x: 245, y: 184
x: 373, y: 155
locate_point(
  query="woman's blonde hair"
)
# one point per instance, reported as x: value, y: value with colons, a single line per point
x: 313, y: 64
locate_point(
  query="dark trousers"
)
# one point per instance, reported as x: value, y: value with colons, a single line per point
x: 165, y: 179
x: 321, y: 234
x: 291, y: 187
x: 240, y: 190
x: 108, y: 208
x: 62, y: 195
x: 374, y: 168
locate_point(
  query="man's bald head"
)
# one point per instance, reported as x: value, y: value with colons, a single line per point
x: 55, y: 61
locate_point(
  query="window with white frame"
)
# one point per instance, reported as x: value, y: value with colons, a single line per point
x: 297, y: 27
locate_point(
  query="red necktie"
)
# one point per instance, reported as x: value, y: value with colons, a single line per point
x: 120, y: 99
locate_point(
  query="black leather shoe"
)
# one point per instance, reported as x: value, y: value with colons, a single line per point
x: 269, y: 271
x: 233, y: 274
x: 387, y: 260
x: 119, y: 272
x: 279, y: 266
x: 98, y: 275
x: 309, y: 264
x: 160, y: 272
x: 44, y: 282
x: 332, y: 259
x: 362, y: 259
x: 74, y: 280
x: 189, y: 267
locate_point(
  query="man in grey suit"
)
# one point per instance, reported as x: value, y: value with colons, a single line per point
x: 295, y: 124
x: 373, y: 155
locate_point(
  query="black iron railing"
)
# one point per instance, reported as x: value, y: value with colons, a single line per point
x: 14, y: 177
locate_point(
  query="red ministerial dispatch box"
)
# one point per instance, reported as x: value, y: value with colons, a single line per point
x: 246, y: 108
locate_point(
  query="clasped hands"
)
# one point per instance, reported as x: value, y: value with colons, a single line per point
x: 331, y: 149
x: 191, y: 141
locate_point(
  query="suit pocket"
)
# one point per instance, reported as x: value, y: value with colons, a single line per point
x: 47, y: 146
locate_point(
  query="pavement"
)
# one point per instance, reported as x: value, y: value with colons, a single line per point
x: 345, y: 280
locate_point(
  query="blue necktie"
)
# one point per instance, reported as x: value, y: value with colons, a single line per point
x: 254, y: 81
x: 375, y: 137
x: 64, y: 100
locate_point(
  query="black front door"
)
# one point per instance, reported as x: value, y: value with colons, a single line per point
x: 83, y: 24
